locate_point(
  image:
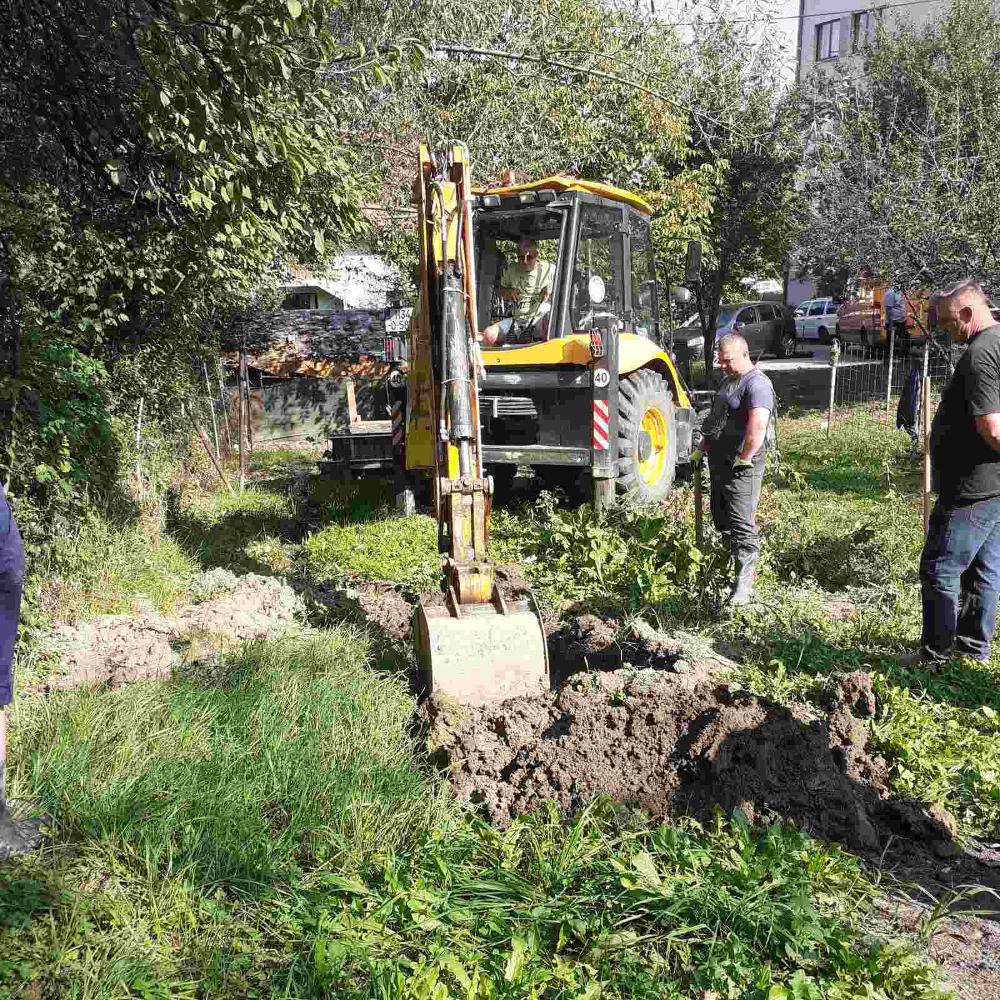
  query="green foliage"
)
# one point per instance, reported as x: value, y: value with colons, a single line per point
x: 218, y: 154
x: 642, y: 555
x: 903, y: 175
x: 942, y: 753
x: 604, y: 908
x: 402, y: 549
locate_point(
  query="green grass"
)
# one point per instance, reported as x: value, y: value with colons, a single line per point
x: 263, y: 825
x: 605, y: 907
x: 151, y: 768
x: 233, y: 530
x: 281, y: 462
x: 104, y: 569
x: 401, y: 549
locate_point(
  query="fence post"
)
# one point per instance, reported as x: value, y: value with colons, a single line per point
x: 888, y: 379
x: 834, y: 358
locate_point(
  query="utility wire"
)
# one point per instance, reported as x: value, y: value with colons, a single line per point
x: 588, y: 71
x: 763, y: 19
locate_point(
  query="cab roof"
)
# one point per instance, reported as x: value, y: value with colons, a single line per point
x: 562, y: 182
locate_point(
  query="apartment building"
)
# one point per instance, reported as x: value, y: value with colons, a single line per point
x: 832, y: 33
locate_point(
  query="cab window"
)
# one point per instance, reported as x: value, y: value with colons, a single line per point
x: 597, y: 293
x: 500, y: 239
x: 816, y: 309
x: 643, y: 280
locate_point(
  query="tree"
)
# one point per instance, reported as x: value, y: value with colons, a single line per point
x: 158, y: 158
x: 904, y: 168
x: 748, y: 141
x: 698, y: 129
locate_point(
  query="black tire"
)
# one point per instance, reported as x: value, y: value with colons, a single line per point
x: 824, y: 335
x: 645, y: 394
x: 785, y: 347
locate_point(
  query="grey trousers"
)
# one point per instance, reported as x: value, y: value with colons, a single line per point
x: 735, y: 494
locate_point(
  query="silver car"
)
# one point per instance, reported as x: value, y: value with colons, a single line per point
x: 767, y: 327
x: 816, y: 319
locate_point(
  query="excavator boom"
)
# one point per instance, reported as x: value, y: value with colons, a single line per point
x: 475, y: 646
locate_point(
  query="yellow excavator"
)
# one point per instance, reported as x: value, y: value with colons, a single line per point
x: 577, y: 385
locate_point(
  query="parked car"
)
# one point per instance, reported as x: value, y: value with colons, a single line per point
x: 816, y: 319
x: 768, y: 327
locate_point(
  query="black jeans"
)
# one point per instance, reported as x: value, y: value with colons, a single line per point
x: 735, y: 495
x: 960, y: 579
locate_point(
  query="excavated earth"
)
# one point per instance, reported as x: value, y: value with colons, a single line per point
x: 681, y: 744
x: 112, y: 650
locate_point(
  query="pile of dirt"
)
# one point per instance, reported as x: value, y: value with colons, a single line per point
x: 116, y: 649
x: 680, y: 744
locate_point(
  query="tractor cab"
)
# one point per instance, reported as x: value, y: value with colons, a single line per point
x: 586, y: 244
x: 574, y: 381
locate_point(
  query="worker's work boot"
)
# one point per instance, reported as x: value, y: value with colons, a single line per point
x: 746, y: 576
x: 18, y: 834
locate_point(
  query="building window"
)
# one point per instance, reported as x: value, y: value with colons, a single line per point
x: 827, y: 40
x: 861, y: 26
x: 300, y: 300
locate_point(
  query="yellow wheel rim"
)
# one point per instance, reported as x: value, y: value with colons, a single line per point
x: 652, y: 445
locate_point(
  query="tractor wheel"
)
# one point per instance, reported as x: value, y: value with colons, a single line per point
x: 647, y: 445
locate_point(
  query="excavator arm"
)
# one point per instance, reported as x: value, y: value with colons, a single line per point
x: 477, y: 646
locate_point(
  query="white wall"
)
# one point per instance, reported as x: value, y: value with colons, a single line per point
x: 815, y: 12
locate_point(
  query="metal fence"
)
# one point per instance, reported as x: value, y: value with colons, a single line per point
x: 880, y: 377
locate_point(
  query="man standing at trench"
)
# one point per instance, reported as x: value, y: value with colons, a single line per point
x: 734, y: 436
x: 960, y: 562
x: 16, y: 836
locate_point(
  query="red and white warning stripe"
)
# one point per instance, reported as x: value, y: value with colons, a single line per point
x: 601, y: 425
x: 397, y: 424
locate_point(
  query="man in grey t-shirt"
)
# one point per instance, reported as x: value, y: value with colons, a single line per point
x: 734, y: 435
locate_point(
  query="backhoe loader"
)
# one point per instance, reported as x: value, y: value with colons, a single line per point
x: 575, y: 386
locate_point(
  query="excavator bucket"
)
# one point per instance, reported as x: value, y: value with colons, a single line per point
x: 486, y: 653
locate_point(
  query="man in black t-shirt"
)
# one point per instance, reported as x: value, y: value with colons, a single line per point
x: 960, y: 563
x: 734, y: 435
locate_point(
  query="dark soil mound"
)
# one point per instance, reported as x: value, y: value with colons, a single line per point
x: 675, y: 744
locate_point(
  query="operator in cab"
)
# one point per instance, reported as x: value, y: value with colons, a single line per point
x: 528, y: 285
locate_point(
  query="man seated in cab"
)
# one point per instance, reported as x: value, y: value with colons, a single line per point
x: 528, y: 284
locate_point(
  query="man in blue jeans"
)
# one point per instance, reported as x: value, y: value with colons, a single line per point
x: 16, y: 836
x: 960, y: 563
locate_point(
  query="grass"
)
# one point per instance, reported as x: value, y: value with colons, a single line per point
x: 401, y: 549
x: 262, y: 824
x: 105, y: 569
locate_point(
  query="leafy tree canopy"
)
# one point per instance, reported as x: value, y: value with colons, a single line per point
x: 903, y: 174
